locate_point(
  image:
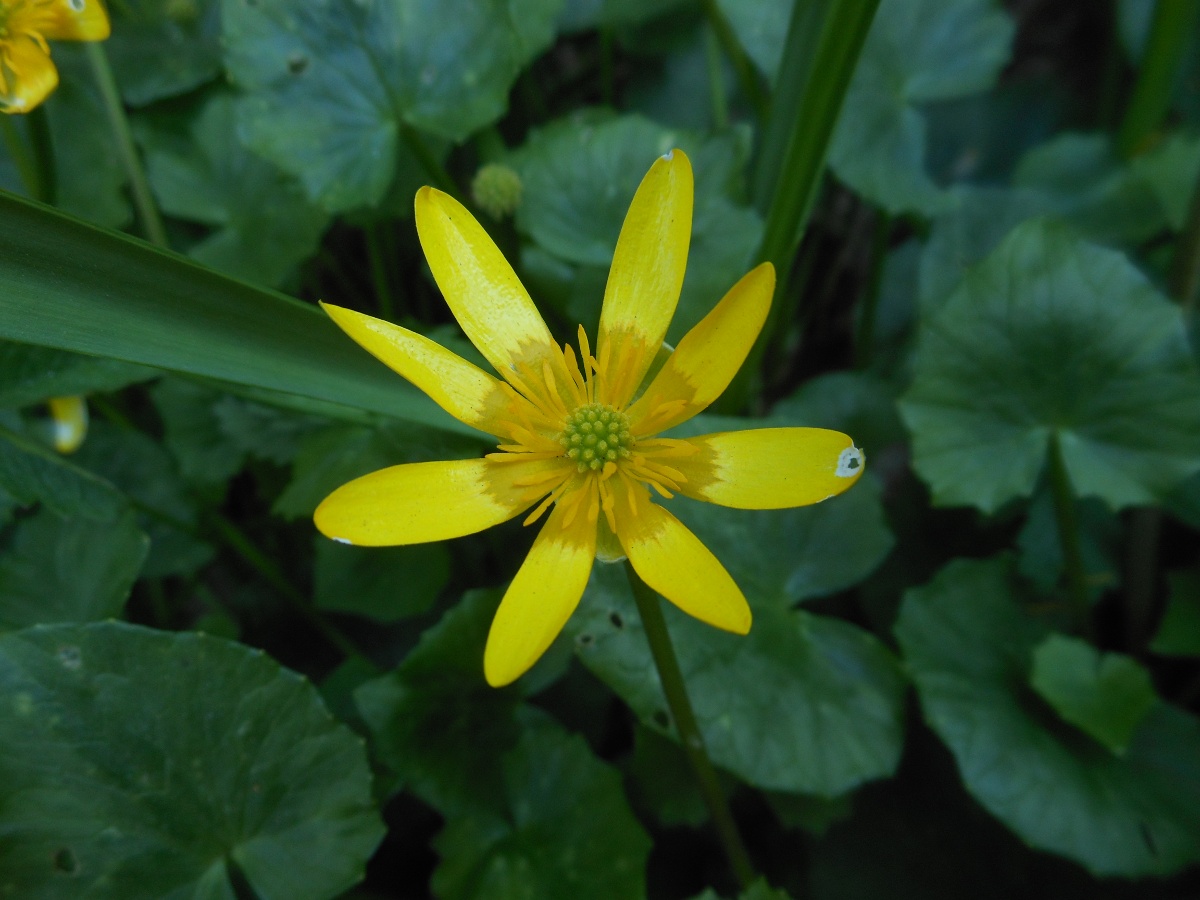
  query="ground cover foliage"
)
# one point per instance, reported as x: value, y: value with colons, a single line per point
x: 977, y: 673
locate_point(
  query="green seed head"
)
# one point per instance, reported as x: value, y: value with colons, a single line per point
x: 594, y: 435
x: 497, y: 190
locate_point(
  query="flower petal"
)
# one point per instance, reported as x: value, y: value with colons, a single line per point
x: 646, y: 275
x: 541, y: 598
x: 708, y: 356
x: 75, y: 20
x: 770, y: 468
x: 29, y: 76
x: 465, y: 391
x: 479, y: 285
x: 675, y: 562
x: 70, y: 416
x: 428, y: 501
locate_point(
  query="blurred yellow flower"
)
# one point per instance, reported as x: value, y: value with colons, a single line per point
x: 27, y: 74
x: 70, y: 415
x: 574, y: 431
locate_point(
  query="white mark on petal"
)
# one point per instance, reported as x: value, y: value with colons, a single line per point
x: 850, y: 463
x: 77, y: 5
x: 344, y: 541
x: 669, y: 155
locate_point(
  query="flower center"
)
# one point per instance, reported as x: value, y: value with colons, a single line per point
x: 596, y: 434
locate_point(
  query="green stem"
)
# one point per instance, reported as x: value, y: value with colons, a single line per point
x: 607, y: 91
x: 18, y: 149
x: 864, y: 345
x: 1185, y: 265
x: 42, y: 143
x: 433, y: 168
x: 379, y: 271
x: 1171, y: 29
x: 1068, y: 534
x: 650, y: 609
x: 825, y: 38
x: 143, y: 198
x: 747, y: 77
x: 237, y: 540
x: 716, y: 79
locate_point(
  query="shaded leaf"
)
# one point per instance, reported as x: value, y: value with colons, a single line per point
x: 969, y: 649
x: 32, y: 473
x: 151, y: 762
x: 161, y: 48
x: 1107, y: 695
x: 380, y: 583
x: 68, y: 570
x: 31, y: 374
x: 1051, y: 337
x: 1179, y: 631
x: 331, y: 86
x: 263, y: 224
x: 565, y: 830
x: 832, y: 719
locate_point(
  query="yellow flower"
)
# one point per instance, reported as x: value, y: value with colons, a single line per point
x: 27, y: 74
x: 70, y: 415
x: 574, y: 431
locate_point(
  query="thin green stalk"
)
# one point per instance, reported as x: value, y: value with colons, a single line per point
x: 433, y: 168
x: 42, y: 143
x: 237, y: 540
x: 1173, y: 25
x: 1185, y: 265
x: 377, y: 257
x: 823, y: 44
x: 18, y: 149
x: 650, y: 609
x: 747, y: 77
x: 716, y: 79
x: 607, y: 80
x: 864, y: 344
x: 143, y: 198
x: 1068, y: 534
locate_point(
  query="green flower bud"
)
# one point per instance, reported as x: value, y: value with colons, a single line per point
x: 497, y: 190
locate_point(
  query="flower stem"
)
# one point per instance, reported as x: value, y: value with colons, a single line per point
x: 21, y: 157
x: 379, y: 270
x: 1170, y: 30
x: 1185, y: 265
x: 864, y: 344
x: 825, y: 38
x: 1068, y: 535
x: 143, y: 199
x: 746, y: 75
x: 650, y: 609
x: 42, y: 144
x: 716, y: 79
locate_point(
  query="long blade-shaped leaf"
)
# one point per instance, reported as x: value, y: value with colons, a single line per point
x: 67, y: 284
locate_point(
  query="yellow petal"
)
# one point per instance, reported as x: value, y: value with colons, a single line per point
x: 708, y: 356
x: 770, y: 468
x: 29, y: 76
x: 465, y: 391
x: 428, y: 501
x: 479, y: 285
x: 70, y: 416
x: 646, y: 275
x: 674, y: 562
x: 541, y: 598
x: 75, y: 20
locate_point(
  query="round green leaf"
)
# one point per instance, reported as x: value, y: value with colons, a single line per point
x: 160, y: 48
x: 380, y: 583
x: 136, y: 763
x: 68, y: 570
x: 917, y: 51
x: 264, y: 226
x: 803, y: 703
x: 1106, y: 695
x: 566, y: 829
x: 332, y: 84
x: 968, y: 648
x: 1053, y: 337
